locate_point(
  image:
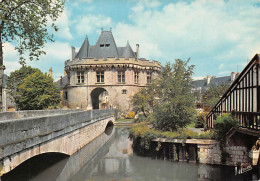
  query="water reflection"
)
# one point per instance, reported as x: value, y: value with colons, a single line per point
x: 110, y: 157
x: 120, y: 164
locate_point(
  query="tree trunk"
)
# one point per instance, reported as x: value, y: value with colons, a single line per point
x: 1, y: 75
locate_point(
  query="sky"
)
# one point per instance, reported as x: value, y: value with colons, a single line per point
x: 219, y: 36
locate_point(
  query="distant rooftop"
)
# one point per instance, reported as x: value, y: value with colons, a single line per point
x: 214, y: 81
x: 105, y: 47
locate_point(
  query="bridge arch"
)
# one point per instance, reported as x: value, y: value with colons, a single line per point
x: 99, y: 98
x: 109, y: 127
x: 32, y: 166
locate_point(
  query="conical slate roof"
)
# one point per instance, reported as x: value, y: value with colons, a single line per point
x: 104, y: 48
x: 83, y: 51
x: 128, y: 52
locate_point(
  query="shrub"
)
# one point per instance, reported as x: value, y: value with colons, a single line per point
x: 223, y: 124
x: 130, y: 115
x: 201, y: 120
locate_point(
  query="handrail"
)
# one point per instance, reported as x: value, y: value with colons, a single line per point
x: 248, y: 77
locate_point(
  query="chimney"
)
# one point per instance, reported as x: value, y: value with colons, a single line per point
x: 233, y: 76
x: 50, y: 72
x: 137, y: 51
x: 73, y: 53
x: 61, y: 81
x: 208, y: 79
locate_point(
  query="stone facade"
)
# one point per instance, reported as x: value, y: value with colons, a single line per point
x: 107, y: 82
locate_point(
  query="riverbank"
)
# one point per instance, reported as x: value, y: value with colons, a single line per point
x: 187, y: 145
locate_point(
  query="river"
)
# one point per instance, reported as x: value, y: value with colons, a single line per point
x: 115, y: 162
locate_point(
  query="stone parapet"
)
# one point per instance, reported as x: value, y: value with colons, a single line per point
x: 142, y: 64
x: 33, y: 113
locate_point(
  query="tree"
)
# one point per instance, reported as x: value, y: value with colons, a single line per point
x: 16, y: 78
x: 212, y: 95
x: 38, y: 91
x: 26, y: 23
x: 175, y: 105
x: 143, y: 101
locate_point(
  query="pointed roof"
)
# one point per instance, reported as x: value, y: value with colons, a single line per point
x: 128, y: 52
x: 83, y: 51
x: 104, y: 48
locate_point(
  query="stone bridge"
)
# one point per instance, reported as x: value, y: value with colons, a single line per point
x: 25, y: 134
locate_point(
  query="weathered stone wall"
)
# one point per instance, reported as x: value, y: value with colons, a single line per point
x: 234, y: 155
x: 79, y: 93
x: 209, y: 151
x: 33, y: 113
x: 22, y: 139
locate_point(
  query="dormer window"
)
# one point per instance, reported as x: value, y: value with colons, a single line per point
x: 107, y: 45
x: 101, y: 45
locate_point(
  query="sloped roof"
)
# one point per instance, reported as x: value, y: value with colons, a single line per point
x: 83, y: 51
x: 128, y: 52
x: 104, y: 48
x: 64, y: 82
x: 217, y: 81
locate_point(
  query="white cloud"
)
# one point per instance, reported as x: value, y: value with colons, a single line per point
x: 220, y: 66
x: 56, y: 54
x: 198, y: 78
x: 63, y: 25
x: 11, y: 58
x: 90, y: 23
x: 210, y: 32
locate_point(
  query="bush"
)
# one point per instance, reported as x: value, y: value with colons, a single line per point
x: 130, y: 115
x: 223, y: 124
x: 201, y: 120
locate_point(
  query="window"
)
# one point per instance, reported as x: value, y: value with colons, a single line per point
x: 124, y: 91
x: 149, y: 77
x: 136, y: 77
x: 101, y: 45
x: 66, y: 95
x: 100, y: 76
x: 107, y: 45
x: 121, y: 76
x: 80, y: 77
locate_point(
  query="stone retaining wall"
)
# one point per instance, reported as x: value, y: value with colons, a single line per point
x: 209, y: 151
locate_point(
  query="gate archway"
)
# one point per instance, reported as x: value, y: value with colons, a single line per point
x: 99, y: 98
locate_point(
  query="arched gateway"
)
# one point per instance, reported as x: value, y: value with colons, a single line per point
x: 99, y: 98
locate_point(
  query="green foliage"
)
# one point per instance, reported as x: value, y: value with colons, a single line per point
x: 143, y: 101
x: 16, y: 79
x: 212, y: 95
x: 38, y: 91
x: 144, y: 132
x: 174, y: 108
x: 27, y: 22
x: 223, y: 124
x: 201, y: 120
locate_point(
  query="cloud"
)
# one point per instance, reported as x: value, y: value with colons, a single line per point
x: 210, y: 32
x: 64, y: 26
x: 220, y: 66
x: 90, y: 23
x: 56, y: 54
x: 198, y: 78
